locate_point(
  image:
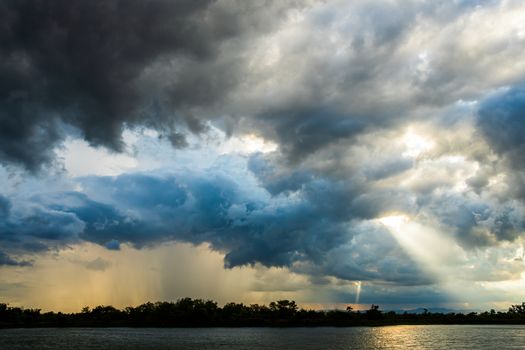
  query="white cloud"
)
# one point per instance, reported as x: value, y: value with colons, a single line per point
x: 81, y: 159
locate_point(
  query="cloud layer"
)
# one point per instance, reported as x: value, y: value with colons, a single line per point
x: 371, y: 110
x: 98, y: 66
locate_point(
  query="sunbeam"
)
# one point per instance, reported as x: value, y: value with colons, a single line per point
x: 357, y: 292
x: 435, y: 253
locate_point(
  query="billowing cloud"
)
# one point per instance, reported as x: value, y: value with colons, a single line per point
x: 99, y: 66
x: 6, y: 260
x: 501, y: 121
x: 175, y: 66
x: 249, y: 226
x: 295, y: 135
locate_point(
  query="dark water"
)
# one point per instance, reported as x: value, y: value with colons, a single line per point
x: 395, y: 337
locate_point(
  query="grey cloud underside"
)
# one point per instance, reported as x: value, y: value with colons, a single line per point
x: 315, y: 225
x: 144, y: 210
x: 501, y: 120
x: 101, y: 65
x: 6, y: 260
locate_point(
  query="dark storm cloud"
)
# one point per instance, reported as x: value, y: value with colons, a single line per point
x: 301, y: 132
x: 101, y: 65
x: 6, y: 260
x: 389, y: 168
x: 274, y: 182
x: 39, y: 229
x: 112, y: 245
x: 5, y: 206
x: 501, y: 119
x: 474, y: 222
x: 144, y: 210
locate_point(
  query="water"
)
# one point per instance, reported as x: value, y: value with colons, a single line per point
x: 395, y: 337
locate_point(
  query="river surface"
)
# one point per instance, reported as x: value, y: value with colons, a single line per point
x: 392, y: 337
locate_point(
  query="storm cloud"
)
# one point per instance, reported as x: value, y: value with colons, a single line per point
x: 501, y: 119
x: 6, y: 260
x: 298, y: 135
x: 100, y: 66
x: 145, y: 210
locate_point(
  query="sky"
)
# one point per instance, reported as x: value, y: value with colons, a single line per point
x: 330, y: 152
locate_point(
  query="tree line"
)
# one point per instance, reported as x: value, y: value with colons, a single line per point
x: 189, y: 312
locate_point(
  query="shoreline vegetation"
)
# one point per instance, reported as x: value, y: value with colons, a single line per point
x: 189, y: 312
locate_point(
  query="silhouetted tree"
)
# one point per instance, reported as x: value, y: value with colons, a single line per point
x: 285, y: 309
x: 198, y: 312
x: 373, y: 313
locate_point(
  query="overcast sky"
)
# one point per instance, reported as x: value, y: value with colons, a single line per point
x: 330, y: 152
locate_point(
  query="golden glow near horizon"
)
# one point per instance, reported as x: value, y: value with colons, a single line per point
x: 90, y: 275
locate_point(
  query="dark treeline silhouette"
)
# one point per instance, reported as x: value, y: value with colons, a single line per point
x: 189, y: 312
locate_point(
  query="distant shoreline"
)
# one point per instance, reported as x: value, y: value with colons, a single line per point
x: 198, y: 313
